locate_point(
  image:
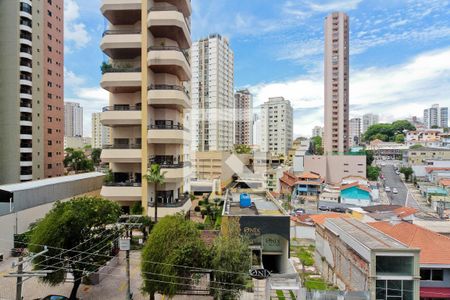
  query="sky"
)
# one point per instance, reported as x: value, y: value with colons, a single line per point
x: 399, y: 53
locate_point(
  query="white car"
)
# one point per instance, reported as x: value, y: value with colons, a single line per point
x: 387, y: 189
x: 395, y: 191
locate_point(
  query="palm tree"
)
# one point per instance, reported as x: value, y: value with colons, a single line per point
x: 154, y: 176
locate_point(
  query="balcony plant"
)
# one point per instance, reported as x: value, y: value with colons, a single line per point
x: 105, y: 67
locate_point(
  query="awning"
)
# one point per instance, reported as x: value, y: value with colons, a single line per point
x: 434, y: 292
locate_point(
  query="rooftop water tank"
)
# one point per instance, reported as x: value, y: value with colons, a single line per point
x: 245, y: 200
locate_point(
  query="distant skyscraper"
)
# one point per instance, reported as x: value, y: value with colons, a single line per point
x: 73, y: 119
x: 336, y: 129
x: 355, y: 132
x: 369, y: 120
x: 276, y: 126
x: 317, y: 131
x: 32, y: 89
x: 435, y: 116
x: 257, y: 129
x: 101, y: 135
x: 243, y: 115
x: 212, y: 94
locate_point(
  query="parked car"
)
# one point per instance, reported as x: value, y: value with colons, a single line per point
x: 324, y: 208
x: 397, y: 172
x: 395, y: 191
x: 387, y: 189
x: 299, y: 211
x: 339, y: 209
x: 55, y: 297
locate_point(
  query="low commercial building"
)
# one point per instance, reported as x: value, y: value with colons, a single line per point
x: 303, y: 184
x: 356, y: 257
x: 421, y: 155
x: 23, y: 203
x: 387, y: 150
x: 434, y: 256
x: 333, y: 168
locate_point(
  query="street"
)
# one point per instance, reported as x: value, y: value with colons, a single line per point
x: 392, y: 180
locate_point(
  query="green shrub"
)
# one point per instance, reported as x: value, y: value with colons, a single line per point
x: 201, y: 202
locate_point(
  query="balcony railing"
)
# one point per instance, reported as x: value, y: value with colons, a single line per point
x: 122, y: 108
x: 123, y: 31
x: 175, y: 203
x: 124, y: 184
x: 168, y: 87
x: 171, y: 48
x: 171, y: 8
x: 169, y: 164
x: 122, y: 146
x: 107, y: 68
x: 166, y: 126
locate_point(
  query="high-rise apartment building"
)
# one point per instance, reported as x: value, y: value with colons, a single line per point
x: 369, y: 120
x: 148, y: 76
x: 243, y: 117
x: 73, y: 119
x: 336, y: 129
x: 435, y: 116
x: 101, y: 135
x: 355, y: 132
x: 212, y: 94
x: 276, y: 126
x: 317, y: 131
x: 31, y: 84
x: 257, y: 129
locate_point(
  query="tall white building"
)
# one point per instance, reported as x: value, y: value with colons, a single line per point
x: 243, y: 118
x: 276, y: 126
x: 257, y: 130
x: 317, y: 131
x: 354, y: 132
x: 73, y: 119
x: 369, y: 120
x: 101, y: 135
x: 212, y: 94
x: 435, y: 116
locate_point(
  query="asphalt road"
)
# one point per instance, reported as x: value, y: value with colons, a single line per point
x: 392, y: 180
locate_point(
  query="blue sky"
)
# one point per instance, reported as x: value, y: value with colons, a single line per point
x: 400, y: 53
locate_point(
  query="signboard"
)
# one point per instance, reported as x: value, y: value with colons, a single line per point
x: 124, y: 244
x: 259, y: 274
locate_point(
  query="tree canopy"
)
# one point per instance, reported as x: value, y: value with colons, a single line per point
x: 79, y: 225
x: 95, y: 156
x: 407, y: 171
x: 242, y: 149
x: 77, y: 161
x: 174, y: 241
x: 373, y: 173
x: 388, y: 131
x: 316, y: 145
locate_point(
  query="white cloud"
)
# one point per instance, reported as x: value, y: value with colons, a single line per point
x: 395, y: 92
x: 75, y: 33
x: 327, y: 6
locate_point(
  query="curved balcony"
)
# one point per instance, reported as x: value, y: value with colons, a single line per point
x: 164, y: 95
x: 183, y: 5
x: 25, y: 96
x: 26, y: 177
x: 169, y: 22
x: 25, y: 14
x: 26, y: 163
x: 121, y: 80
x: 121, y: 191
x: 173, y: 172
x: 119, y: 153
x: 26, y: 80
x: 26, y: 42
x: 168, y: 134
x: 170, y: 59
x: 25, y: 55
x: 121, y: 115
x: 26, y: 109
x: 121, y: 12
x: 120, y: 44
x: 26, y: 28
x: 170, y: 208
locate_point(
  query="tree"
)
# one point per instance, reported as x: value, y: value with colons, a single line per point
x: 373, y: 173
x: 173, y: 242
x: 95, y: 156
x: 242, y: 149
x: 80, y: 225
x: 317, y: 147
x: 407, y: 171
x: 416, y: 146
x: 230, y: 261
x: 77, y: 161
x: 434, y: 127
x: 387, y: 132
x: 154, y: 176
x: 369, y: 157
x: 399, y: 138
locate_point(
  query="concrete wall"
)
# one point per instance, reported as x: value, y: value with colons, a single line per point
x: 335, y: 167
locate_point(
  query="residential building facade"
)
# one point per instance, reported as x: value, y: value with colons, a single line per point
x: 369, y: 120
x: 31, y: 80
x: 355, y: 132
x: 336, y: 129
x: 243, y: 117
x: 421, y: 155
x: 73, y: 119
x: 148, y: 77
x: 101, y: 135
x: 212, y: 94
x: 435, y: 116
x: 317, y: 131
x: 336, y: 167
x: 276, y: 126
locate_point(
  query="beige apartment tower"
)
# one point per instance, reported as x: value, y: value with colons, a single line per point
x: 336, y: 89
x: 32, y: 89
x: 243, y: 117
x: 148, y: 76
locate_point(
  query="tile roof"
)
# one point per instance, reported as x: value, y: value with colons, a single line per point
x: 355, y: 184
x: 320, y: 218
x: 381, y: 207
x: 445, y: 182
x: 431, y: 169
x: 403, y: 212
x: 434, y: 247
x: 291, y: 179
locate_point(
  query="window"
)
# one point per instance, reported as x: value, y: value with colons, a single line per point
x: 49, y: 119
x: 432, y: 274
x: 49, y: 130
x: 49, y: 143
x: 49, y: 13
x: 49, y: 166
x: 49, y: 154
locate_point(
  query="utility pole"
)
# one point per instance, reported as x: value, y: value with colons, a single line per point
x: 19, y: 279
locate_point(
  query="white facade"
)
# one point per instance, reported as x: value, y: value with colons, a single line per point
x: 317, y: 131
x: 73, y: 119
x: 276, y: 126
x: 257, y: 130
x: 212, y: 90
x: 243, y: 118
x: 101, y: 135
x: 355, y: 132
x: 435, y: 116
x: 369, y: 120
